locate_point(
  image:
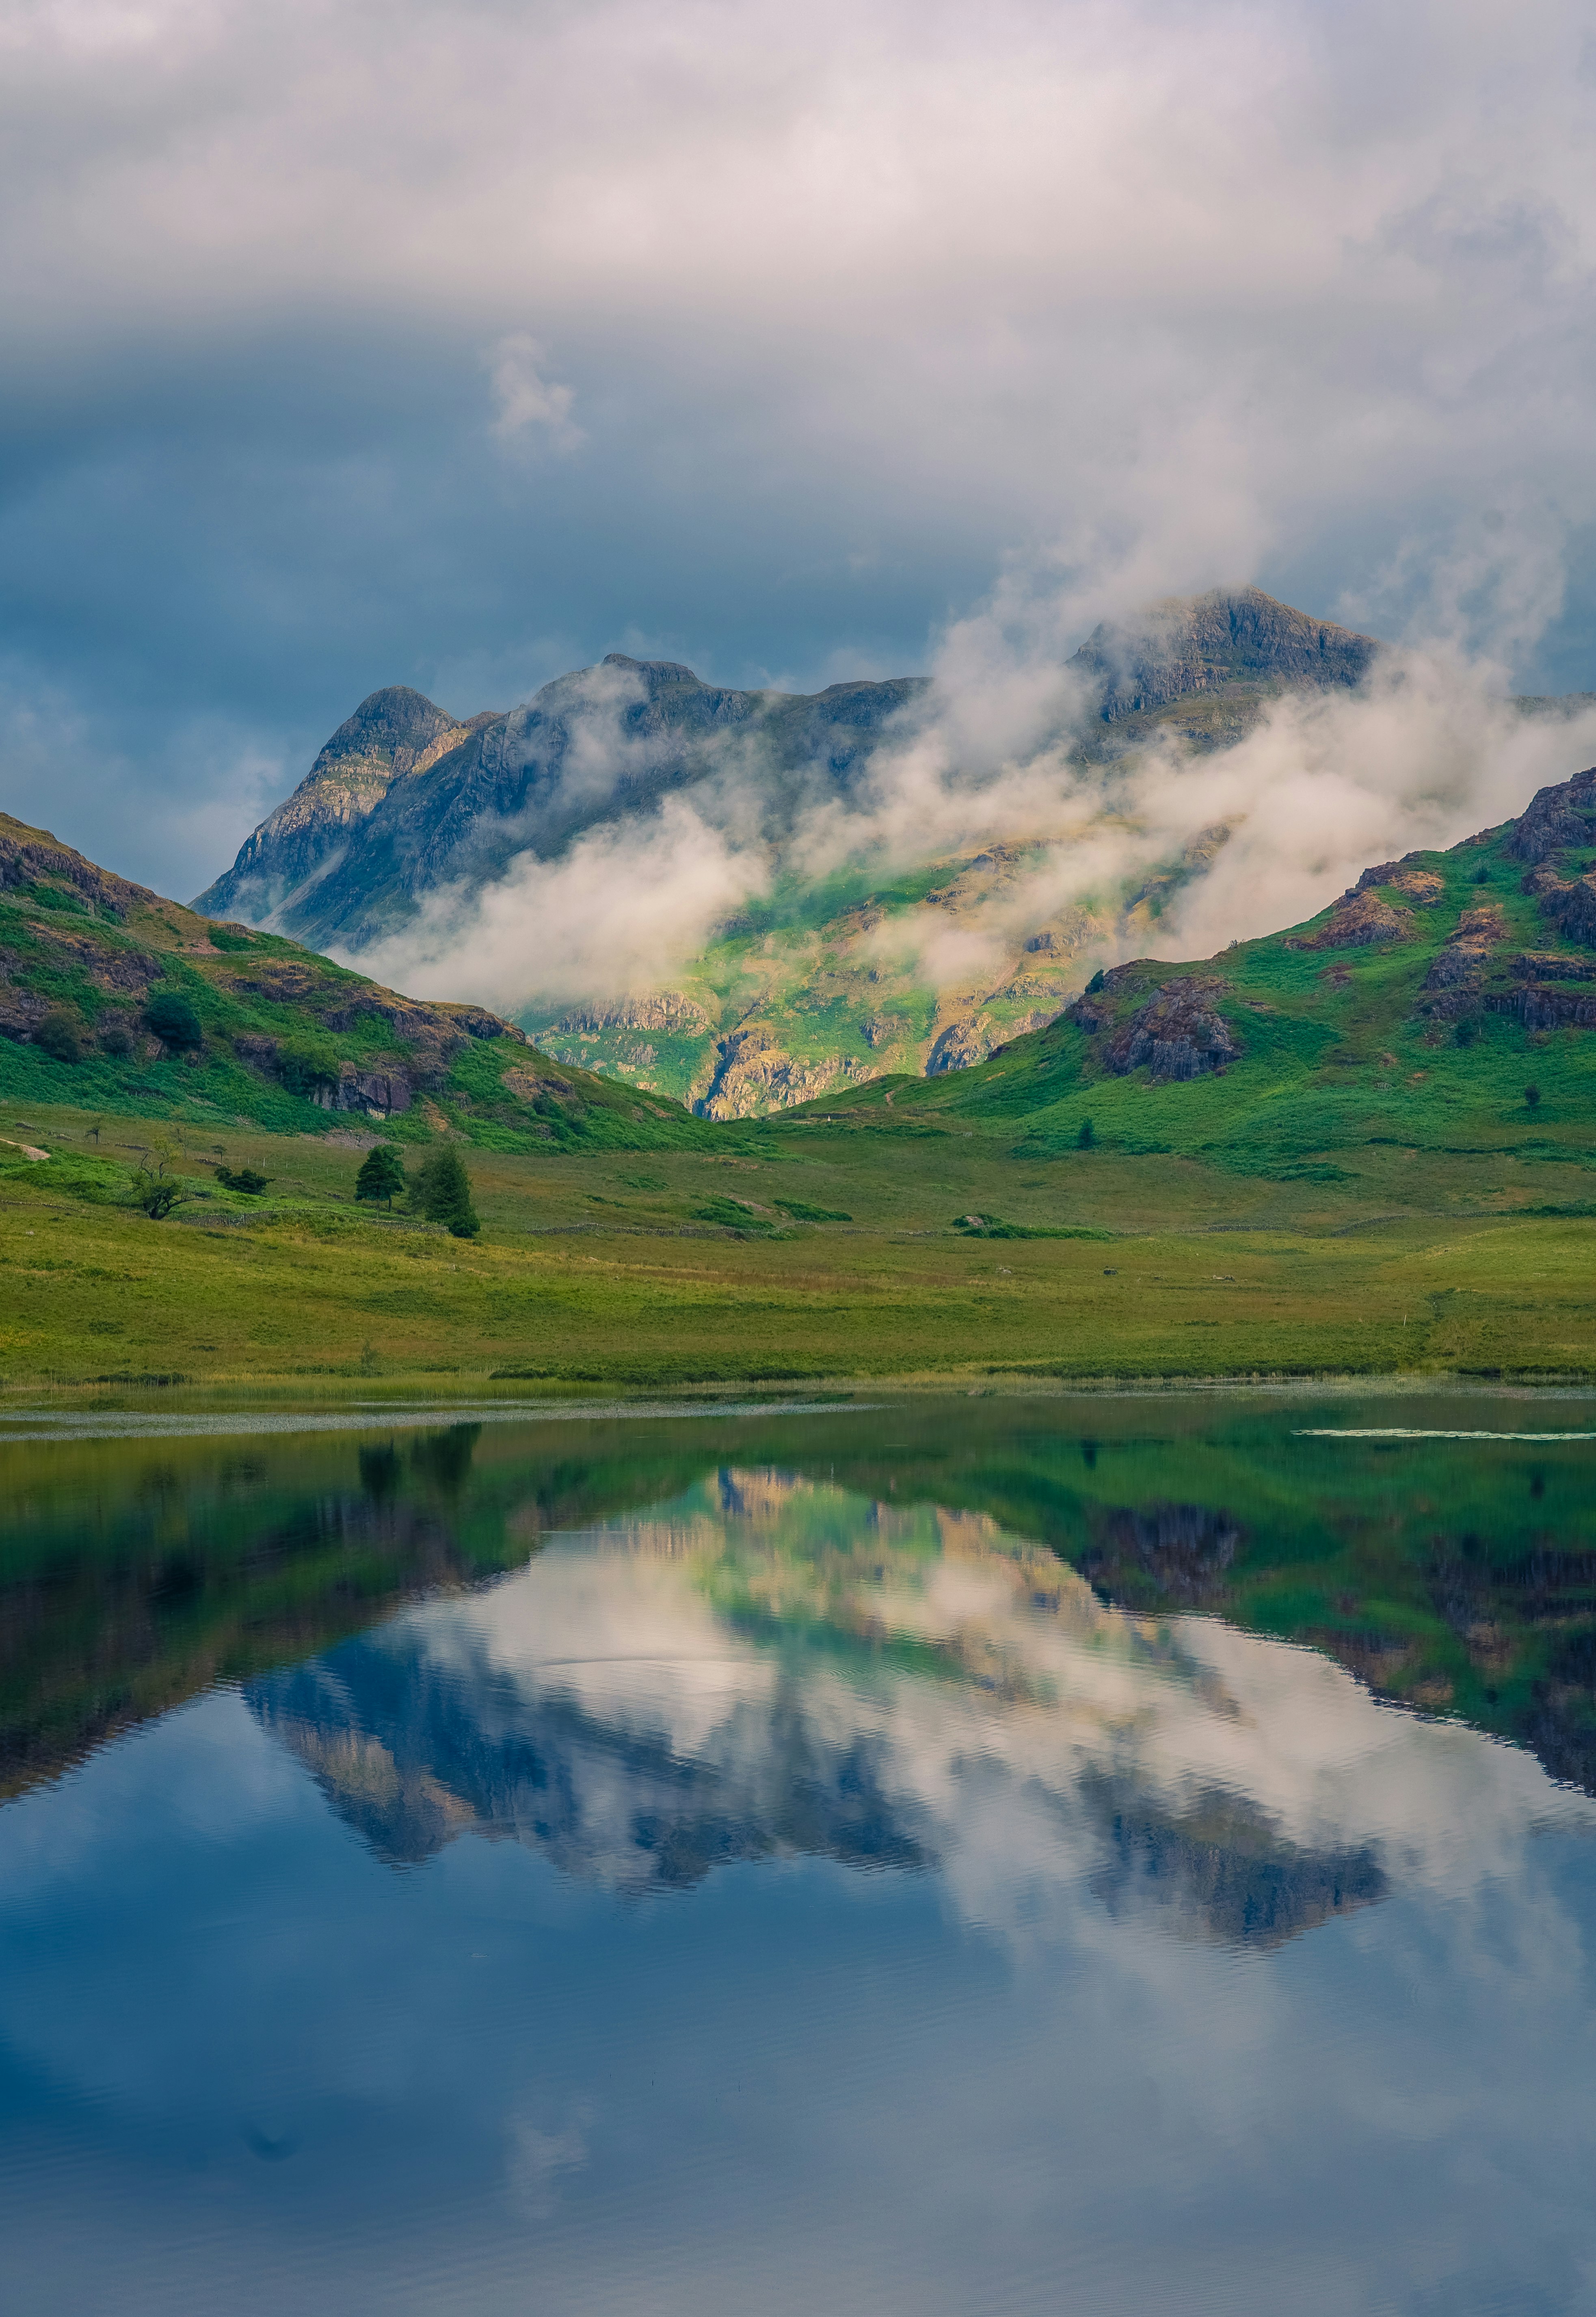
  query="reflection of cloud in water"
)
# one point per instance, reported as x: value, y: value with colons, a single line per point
x: 773, y: 1667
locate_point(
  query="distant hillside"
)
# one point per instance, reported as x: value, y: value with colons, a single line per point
x: 808, y: 988
x: 276, y: 1035
x: 1446, y: 1004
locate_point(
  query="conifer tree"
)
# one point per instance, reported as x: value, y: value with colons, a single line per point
x: 382, y: 1176
x: 444, y: 1193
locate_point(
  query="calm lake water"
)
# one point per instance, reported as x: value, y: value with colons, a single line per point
x: 879, y: 1860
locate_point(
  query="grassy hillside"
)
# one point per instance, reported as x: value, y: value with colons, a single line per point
x: 287, y: 1041
x: 1315, y: 1153
x: 1430, y: 1037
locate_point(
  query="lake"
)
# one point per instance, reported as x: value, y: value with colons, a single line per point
x: 1110, y: 1854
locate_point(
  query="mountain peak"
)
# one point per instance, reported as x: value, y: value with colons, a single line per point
x: 1184, y: 644
x: 657, y: 671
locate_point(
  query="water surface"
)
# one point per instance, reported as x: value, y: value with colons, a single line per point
x: 1109, y: 1856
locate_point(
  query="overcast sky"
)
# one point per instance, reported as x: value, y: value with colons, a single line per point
x: 350, y: 343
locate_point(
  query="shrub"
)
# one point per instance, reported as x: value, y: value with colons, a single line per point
x: 58, y: 1037
x: 1467, y: 1031
x: 1532, y: 1096
x: 1087, y: 1136
x: 1482, y: 875
x: 383, y: 1175
x: 116, y: 1035
x: 242, y: 1178
x: 444, y: 1193
x: 173, y: 1020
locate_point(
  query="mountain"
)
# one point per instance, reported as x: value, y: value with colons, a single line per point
x: 385, y: 815
x: 818, y: 983
x: 275, y: 1033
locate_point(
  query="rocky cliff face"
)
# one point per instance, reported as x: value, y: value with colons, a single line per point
x: 392, y: 735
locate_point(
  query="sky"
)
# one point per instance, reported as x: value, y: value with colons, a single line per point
x: 350, y: 345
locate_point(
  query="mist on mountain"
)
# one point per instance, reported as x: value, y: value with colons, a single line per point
x: 1195, y: 773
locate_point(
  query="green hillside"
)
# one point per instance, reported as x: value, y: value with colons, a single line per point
x: 1363, y: 1146
x: 1442, y: 1010
x: 276, y: 1037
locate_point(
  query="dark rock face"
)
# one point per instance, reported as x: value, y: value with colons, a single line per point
x: 1178, y: 1034
x: 1458, y: 971
x: 1555, y: 818
x: 960, y: 1046
x: 1200, y: 644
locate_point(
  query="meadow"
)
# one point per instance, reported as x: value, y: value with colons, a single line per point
x: 708, y: 1266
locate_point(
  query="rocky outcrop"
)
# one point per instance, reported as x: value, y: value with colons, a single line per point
x: 1571, y: 905
x: 754, y: 1073
x: 959, y: 1046
x: 1419, y: 887
x: 1556, y: 818
x: 32, y: 856
x: 1357, y: 920
x: 669, y: 1012
x: 1457, y: 976
x: 1177, y: 1032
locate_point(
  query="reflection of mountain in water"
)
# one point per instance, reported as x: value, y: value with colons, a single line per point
x: 771, y: 1668
x: 408, y: 1754
x: 1222, y: 1865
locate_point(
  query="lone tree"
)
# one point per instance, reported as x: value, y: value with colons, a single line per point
x: 157, y: 1188
x: 382, y: 1176
x: 1086, y: 1137
x: 444, y: 1193
x: 173, y: 1020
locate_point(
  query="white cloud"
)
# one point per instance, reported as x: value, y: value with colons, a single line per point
x: 524, y: 398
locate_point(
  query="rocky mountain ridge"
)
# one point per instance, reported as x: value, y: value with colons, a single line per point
x: 820, y: 984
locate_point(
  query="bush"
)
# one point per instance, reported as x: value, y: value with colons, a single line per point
x: 383, y: 1175
x: 1467, y: 1031
x: 1532, y: 1096
x: 58, y: 1037
x: 444, y: 1193
x: 116, y: 1035
x: 1087, y: 1136
x: 173, y: 1020
x: 242, y: 1178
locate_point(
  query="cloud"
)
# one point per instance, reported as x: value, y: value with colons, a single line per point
x: 524, y: 398
x: 628, y: 903
x: 859, y: 311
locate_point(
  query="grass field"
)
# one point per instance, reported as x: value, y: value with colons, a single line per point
x: 681, y: 1266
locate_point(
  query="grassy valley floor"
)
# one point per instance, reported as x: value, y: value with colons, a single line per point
x: 711, y: 1264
